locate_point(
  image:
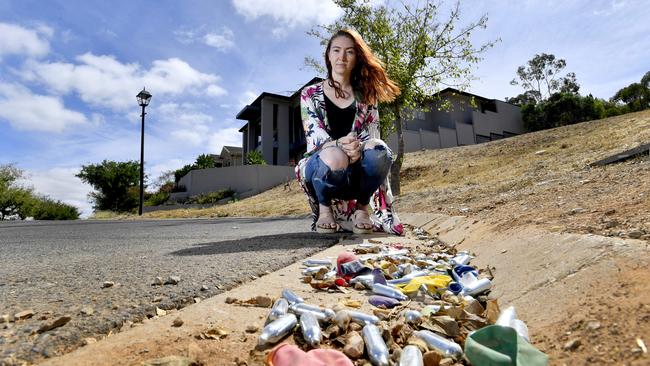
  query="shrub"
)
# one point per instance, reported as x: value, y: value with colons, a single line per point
x: 49, y: 209
x: 563, y: 109
x: 212, y: 197
x: 255, y: 158
x: 156, y: 199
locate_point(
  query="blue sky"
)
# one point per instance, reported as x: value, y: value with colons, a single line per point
x: 70, y: 70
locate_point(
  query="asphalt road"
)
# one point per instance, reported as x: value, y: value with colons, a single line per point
x: 58, y: 269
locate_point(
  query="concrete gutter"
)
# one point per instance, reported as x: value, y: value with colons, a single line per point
x: 534, y: 270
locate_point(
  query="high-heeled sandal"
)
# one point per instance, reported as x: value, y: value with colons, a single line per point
x: 356, y: 220
x: 328, y: 229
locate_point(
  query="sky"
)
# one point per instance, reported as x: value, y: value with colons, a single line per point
x: 70, y: 70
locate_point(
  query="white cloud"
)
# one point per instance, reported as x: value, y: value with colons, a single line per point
x: 613, y: 7
x: 221, y: 41
x: 195, y: 136
x: 17, y: 40
x: 279, y: 32
x: 247, y: 98
x: 104, y: 81
x: 61, y: 184
x: 186, y: 114
x: 215, y: 91
x: 27, y: 111
x: 225, y: 136
x: 290, y: 13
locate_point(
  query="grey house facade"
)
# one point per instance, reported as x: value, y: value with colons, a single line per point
x: 229, y: 156
x: 274, y: 126
x: 456, y: 118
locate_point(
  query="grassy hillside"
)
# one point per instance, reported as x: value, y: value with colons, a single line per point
x: 538, y: 178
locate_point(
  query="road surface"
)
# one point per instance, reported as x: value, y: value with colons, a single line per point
x: 58, y: 269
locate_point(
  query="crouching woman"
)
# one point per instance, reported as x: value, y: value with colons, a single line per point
x: 345, y: 170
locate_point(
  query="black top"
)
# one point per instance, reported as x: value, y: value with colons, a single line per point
x: 340, y: 119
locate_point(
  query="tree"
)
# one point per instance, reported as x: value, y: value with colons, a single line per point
x: 540, y: 79
x: 419, y: 52
x: 204, y: 161
x: 19, y: 201
x: 563, y: 109
x: 255, y: 158
x: 635, y: 96
x: 49, y: 209
x: 180, y: 173
x: 14, y: 199
x: 116, y: 184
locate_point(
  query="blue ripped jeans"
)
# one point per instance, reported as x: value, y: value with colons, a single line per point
x: 358, y: 181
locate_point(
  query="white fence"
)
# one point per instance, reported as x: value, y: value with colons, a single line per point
x: 246, y: 180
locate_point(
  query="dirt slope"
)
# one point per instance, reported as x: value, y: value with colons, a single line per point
x: 541, y: 178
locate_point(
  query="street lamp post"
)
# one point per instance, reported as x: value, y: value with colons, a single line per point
x: 143, y: 100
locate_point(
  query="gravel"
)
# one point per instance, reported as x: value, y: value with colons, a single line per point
x: 60, y: 269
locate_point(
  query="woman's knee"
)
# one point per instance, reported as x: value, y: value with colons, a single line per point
x: 334, y: 158
x: 376, y: 154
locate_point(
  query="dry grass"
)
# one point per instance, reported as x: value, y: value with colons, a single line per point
x: 500, y: 165
x: 502, y: 180
x: 278, y: 201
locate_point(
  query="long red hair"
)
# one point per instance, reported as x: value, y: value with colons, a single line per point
x: 368, y: 76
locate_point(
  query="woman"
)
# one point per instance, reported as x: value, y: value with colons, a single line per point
x: 346, y: 165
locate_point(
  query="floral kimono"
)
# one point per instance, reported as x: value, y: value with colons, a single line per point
x: 366, y: 126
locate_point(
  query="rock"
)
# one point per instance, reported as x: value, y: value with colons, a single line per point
x: 252, y: 329
x: 177, y: 322
x: 57, y: 323
x: 25, y: 314
x: 108, y: 284
x: 576, y: 210
x: 197, y: 300
x: 158, y: 281
x: 230, y: 300
x: 354, y: 345
x: 240, y: 362
x: 173, y: 280
x: 87, y: 310
x: 432, y: 358
x: 261, y: 301
x: 635, y: 234
x: 610, y: 212
x: 88, y: 341
x: 157, y: 299
x: 572, y: 345
x: 540, y: 152
x: 170, y: 361
x: 342, y: 319
x: 356, y: 327
x: 6, y: 318
x: 160, y: 312
x: 592, y: 325
x: 446, y: 362
x: 204, y: 288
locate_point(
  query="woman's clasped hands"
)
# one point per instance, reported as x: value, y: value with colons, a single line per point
x: 351, y: 146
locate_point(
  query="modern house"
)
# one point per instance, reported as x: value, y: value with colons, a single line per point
x: 229, y: 156
x: 457, y: 118
x: 274, y: 127
x: 452, y: 118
